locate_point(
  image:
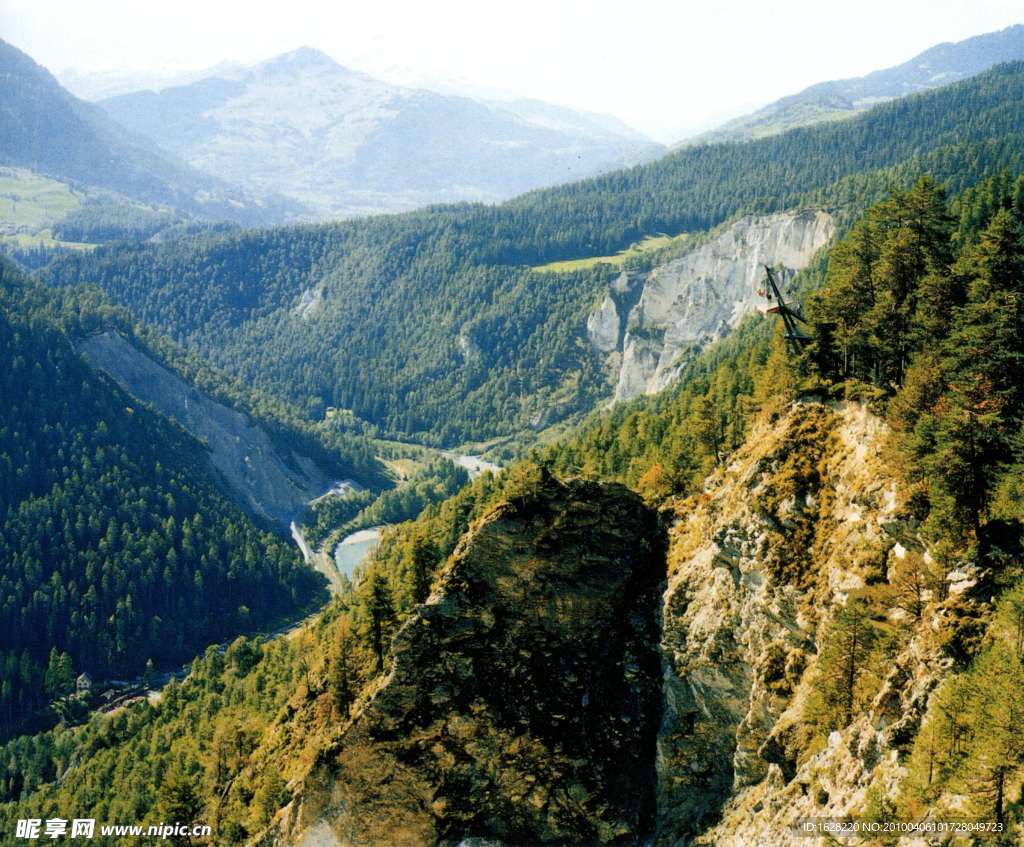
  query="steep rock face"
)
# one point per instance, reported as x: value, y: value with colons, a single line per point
x: 603, y: 326
x: 524, y: 698
x: 834, y: 783
x: 756, y: 564
x: 264, y: 480
x: 700, y: 296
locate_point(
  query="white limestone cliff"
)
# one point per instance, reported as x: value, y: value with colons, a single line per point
x: 700, y: 297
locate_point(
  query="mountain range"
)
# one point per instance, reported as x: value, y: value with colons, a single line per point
x: 507, y: 337
x: 300, y: 137
x: 306, y: 127
x: 729, y: 583
x: 48, y: 131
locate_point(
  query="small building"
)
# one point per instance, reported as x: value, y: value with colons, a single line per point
x: 83, y: 684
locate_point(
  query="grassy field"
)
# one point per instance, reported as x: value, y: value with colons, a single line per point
x: 43, y: 238
x: 30, y: 201
x: 651, y: 242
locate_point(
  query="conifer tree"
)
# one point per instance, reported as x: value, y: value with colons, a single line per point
x: 982, y: 360
x: 380, y: 615
x: 843, y: 661
x: 997, y: 714
x: 341, y: 669
x: 179, y: 800
x: 707, y: 427
x: 59, y: 675
x: 270, y: 796
x: 421, y: 556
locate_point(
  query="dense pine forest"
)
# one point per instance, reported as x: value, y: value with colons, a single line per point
x: 917, y: 311
x: 440, y: 327
x: 490, y: 342
x: 113, y: 530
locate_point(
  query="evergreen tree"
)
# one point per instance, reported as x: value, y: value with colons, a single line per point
x: 843, y: 662
x: 421, y: 555
x: 270, y: 796
x: 341, y: 669
x: 59, y: 675
x: 179, y: 800
x: 982, y: 359
x: 996, y: 716
x: 380, y: 615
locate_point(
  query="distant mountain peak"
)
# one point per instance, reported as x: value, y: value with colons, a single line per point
x: 305, y: 57
x: 303, y: 63
x: 348, y: 143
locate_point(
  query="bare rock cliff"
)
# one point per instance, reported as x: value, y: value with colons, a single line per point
x: 654, y: 319
x: 805, y: 514
x: 266, y: 480
x: 524, y: 697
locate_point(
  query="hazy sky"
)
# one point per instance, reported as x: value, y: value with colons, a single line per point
x: 658, y: 65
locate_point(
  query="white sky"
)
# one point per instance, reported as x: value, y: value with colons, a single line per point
x: 656, y: 64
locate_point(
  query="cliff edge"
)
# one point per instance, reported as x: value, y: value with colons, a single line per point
x: 524, y: 698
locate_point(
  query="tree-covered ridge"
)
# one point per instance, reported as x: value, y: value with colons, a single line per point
x: 221, y: 746
x: 115, y: 545
x: 186, y: 758
x: 409, y: 336
x: 429, y: 324
x: 83, y: 310
x: 935, y: 319
x: 949, y: 275
x: 921, y: 304
x: 697, y: 188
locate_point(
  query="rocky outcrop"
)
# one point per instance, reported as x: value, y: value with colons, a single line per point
x: 267, y: 481
x: 469, y: 348
x: 524, y: 697
x: 699, y: 297
x: 527, y: 702
x: 309, y: 302
x: 757, y: 564
x: 603, y: 326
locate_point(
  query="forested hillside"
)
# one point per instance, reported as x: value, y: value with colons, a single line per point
x: 920, y: 321
x: 116, y: 545
x: 430, y: 325
x: 202, y: 737
x: 920, y: 307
